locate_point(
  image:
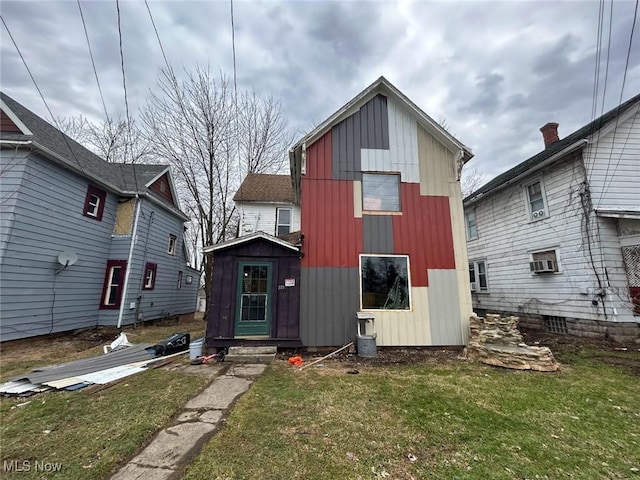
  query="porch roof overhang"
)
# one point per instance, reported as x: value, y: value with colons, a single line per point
x: 619, y: 213
x: 249, y: 238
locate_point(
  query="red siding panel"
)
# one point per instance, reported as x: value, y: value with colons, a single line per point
x: 332, y: 235
x: 423, y: 231
x: 162, y: 188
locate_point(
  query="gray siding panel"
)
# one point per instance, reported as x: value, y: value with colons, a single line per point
x: 444, y: 308
x: 329, y: 302
x: 154, y: 227
x: 377, y: 233
x: 374, y: 124
x: 48, y: 219
x: 345, y: 149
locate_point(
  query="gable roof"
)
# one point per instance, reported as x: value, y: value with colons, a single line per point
x: 124, y: 179
x: 384, y: 87
x: 262, y: 187
x: 554, y: 151
x: 249, y: 238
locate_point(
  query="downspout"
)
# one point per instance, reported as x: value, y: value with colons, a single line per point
x: 128, y: 271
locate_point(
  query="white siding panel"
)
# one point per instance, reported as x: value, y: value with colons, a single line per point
x: 506, y: 237
x: 613, y: 163
x: 403, y: 143
x: 373, y: 160
x: 444, y: 308
x: 261, y: 217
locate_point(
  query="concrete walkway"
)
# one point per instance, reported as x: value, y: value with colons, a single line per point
x: 173, y: 448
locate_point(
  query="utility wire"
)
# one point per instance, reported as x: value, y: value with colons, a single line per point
x: 235, y: 95
x: 64, y: 137
x: 615, y: 129
x: 93, y: 63
x: 126, y: 101
x: 157, y: 34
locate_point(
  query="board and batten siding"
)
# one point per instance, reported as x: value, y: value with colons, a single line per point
x: 155, y: 225
x: 336, y: 230
x: 37, y: 295
x: 261, y: 217
x: 507, y: 237
x: 613, y: 165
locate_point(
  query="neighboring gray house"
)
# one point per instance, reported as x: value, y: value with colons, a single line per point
x: 556, y: 239
x: 84, y: 242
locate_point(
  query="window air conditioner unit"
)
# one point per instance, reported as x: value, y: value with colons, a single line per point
x: 543, y: 266
x: 474, y: 287
x: 538, y: 214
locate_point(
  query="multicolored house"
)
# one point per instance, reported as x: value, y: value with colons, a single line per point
x: 382, y: 229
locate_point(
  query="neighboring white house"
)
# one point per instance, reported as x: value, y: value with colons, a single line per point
x: 265, y: 203
x: 556, y: 239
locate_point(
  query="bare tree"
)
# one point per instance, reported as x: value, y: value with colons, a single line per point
x: 211, y: 141
x: 471, y: 181
x: 115, y: 140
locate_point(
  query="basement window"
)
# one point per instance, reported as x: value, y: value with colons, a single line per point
x: 555, y: 324
x: 384, y: 282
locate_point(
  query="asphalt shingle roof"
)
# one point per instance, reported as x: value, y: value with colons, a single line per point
x: 118, y: 175
x: 558, y: 146
x: 262, y: 187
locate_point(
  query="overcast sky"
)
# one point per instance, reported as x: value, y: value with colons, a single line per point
x: 495, y: 71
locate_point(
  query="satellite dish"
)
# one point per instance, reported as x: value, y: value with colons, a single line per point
x: 67, y: 258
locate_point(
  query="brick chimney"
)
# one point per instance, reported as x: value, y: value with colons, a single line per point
x: 550, y: 134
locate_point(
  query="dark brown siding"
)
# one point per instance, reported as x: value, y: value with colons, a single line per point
x: 6, y: 124
x: 285, y: 302
x: 162, y: 188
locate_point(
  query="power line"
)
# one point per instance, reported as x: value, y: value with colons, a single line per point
x: 126, y: 101
x: 157, y: 34
x: 235, y: 95
x: 93, y: 63
x: 615, y: 128
x: 64, y: 137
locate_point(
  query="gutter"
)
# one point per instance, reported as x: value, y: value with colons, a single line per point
x: 548, y: 161
x: 134, y: 234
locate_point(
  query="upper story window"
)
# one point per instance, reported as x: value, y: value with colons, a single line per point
x: 384, y: 282
x: 380, y: 192
x: 94, y: 203
x: 478, y: 276
x: 472, y: 227
x: 173, y: 241
x: 536, y: 203
x: 150, y: 276
x: 283, y: 221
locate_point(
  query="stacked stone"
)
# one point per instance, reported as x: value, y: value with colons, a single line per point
x: 497, y: 341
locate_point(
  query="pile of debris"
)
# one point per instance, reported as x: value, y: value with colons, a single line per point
x: 121, y: 359
x: 497, y: 341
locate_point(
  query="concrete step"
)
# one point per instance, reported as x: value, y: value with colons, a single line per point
x: 258, y: 350
x: 251, y: 354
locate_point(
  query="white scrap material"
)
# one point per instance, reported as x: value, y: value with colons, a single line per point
x: 110, y: 374
x: 121, y: 341
x: 17, y: 387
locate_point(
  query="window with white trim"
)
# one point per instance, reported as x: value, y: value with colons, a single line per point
x: 179, y: 285
x: 149, y: 281
x: 173, y: 241
x: 283, y: 221
x: 113, y: 282
x: 472, y: 227
x: 384, y: 282
x: 94, y: 203
x: 478, y: 276
x: 536, y: 204
x: 380, y: 192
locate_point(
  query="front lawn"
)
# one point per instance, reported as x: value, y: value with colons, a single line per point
x: 80, y: 435
x: 447, y: 419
